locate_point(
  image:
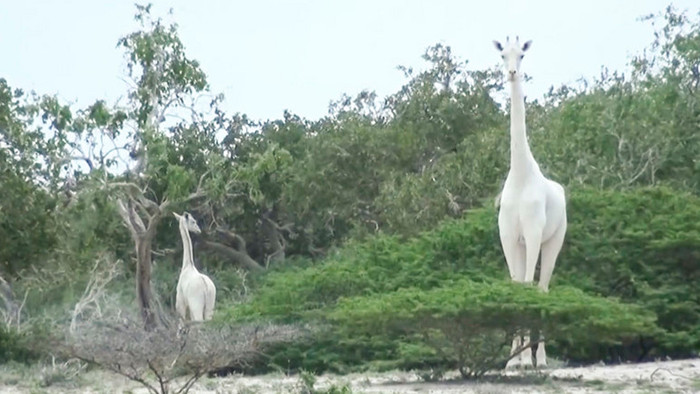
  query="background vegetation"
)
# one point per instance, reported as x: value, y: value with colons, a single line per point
x: 374, y: 225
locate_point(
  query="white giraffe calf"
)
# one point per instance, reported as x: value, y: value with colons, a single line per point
x: 196, y: 293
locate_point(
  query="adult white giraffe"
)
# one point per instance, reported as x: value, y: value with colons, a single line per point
x: 196, y: 293
x: 532, y: 215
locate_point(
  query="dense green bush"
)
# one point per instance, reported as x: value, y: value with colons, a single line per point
x: 644, y: 247
x: 15, y: 346
x: 641, y: 246
x: 383, y: 264
x: 470, y: 324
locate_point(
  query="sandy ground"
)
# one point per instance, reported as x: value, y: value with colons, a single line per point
x: 680, y: 376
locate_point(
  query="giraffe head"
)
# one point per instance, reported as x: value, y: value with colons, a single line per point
x: 512, y: 54
x: 189, y: 222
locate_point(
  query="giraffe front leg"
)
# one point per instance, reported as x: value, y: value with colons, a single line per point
x: 180, y: 305
x: 513, y: 250
x: 526, y: 355
x: 516, y: 361
x: 541, y: 355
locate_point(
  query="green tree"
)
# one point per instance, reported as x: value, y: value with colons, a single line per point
x: 627, y: 130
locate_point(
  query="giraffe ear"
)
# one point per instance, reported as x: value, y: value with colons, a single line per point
x: 526, y: 45
x: 498, y: 45
x: 177, y: 216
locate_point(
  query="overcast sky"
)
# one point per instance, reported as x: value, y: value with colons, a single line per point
x: 267, y: 56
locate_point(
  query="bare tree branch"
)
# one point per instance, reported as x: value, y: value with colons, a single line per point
x: 238, y: 256
x: 127, y: 349
x: 11, y: 312
x: 102, y: 274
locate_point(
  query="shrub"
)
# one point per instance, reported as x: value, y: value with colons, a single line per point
x: 155, y: 358
x: 641, y: 246
x: 471, y: 323
x: 457, y: 249
x: 16, y: 346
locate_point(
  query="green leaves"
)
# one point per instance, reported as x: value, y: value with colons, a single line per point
x: 157, y: 61
x: 629, y: 257
x: 99, y: 113
x: 263, y: 175
x: 180, y: 182
x: 565, y: 312
x: 470, y: 322
x: 643, y: 247
x: 622, y: 130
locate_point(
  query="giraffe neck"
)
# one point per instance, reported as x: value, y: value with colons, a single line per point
x: 187, y: 258
x: 521, y: 159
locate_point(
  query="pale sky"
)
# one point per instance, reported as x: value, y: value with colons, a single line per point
x: 267, y: 56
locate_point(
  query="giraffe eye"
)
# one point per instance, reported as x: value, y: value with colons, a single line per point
x: 521, y: 57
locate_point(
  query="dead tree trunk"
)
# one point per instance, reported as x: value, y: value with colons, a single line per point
x: 143, y: 282
x: 143, y: 235
x: 276, y: 244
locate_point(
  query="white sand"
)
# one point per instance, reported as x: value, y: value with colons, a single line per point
x: 680, y: 376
